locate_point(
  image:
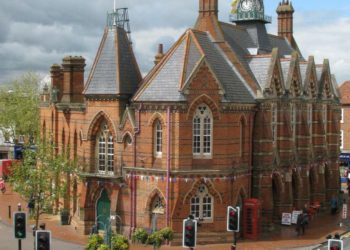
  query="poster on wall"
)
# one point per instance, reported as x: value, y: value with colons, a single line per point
x: 295, y: 215
x: 286, y: 219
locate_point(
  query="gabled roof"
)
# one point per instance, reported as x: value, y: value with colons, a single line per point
x: 115, y: 71
x: 166, y: 81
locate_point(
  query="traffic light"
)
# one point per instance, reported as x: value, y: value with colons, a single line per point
x: 189, y: 238
x: 335, y: 244
x: 19, y: 222
x: 42, y: 240
x: 233, y: 215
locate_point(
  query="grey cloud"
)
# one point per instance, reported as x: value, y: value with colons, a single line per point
x: 37, y: 33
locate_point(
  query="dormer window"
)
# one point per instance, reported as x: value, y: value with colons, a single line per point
x: 202, y: 132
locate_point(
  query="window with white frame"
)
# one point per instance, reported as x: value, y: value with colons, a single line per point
x: 158, y: 133
x: 293, y: 120
x: 202, y: 204
x: 202, y: 132
x: 341, y: 139
x: 274, y: 118
x: 342, y: 116
x: 105, y: 149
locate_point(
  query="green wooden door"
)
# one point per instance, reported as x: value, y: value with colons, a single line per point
x: 103, y: 210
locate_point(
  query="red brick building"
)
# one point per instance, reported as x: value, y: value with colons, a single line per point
x: 229, y: 112
x: 345, y: 124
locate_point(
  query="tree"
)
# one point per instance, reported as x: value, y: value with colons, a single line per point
x: 37, y: 178
x: 19, y: 107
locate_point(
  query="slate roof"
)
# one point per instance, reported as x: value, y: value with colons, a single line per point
x: 115, y: 71
x: 260, y: 68
x: 166, y: 82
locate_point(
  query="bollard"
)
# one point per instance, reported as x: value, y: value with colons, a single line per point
x: 9, y: 212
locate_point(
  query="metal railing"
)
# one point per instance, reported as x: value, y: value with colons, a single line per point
x: 250, y: 16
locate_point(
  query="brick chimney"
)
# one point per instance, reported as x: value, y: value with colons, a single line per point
x: 285, y: 12
x: 207, y: 20
x: 159, y: 55
x: 208, y: 7
x: 56, y: 83
x: 73, y: 79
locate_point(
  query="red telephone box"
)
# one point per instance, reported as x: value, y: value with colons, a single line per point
x: 251, y: 219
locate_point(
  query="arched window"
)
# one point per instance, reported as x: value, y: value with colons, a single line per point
x: 242, y: 138
x: 202, y: 204
x: 158, y: 133
x: 293, y: 120
x: 127, y: 141
x: 202, y: 132
x: 105, y: 149
x: 325, y: 118
x: 274, y: 119
x: 310, y: 120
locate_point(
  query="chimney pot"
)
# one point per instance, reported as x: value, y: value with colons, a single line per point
x: 159, y: 55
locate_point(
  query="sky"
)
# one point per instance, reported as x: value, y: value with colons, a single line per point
x: 35, y: 34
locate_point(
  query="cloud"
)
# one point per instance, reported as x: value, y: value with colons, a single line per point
x: 325, y: 40
x: 37, y: 33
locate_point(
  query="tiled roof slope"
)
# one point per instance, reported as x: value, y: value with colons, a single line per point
x: 115, y: 71
x: 165, y: 83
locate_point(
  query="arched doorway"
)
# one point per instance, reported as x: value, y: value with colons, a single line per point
x: 103, y: 211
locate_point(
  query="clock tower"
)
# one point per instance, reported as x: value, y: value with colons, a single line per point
x: 249, y: 10
x: 250, y: 15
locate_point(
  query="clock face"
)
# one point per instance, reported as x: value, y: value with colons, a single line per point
x: 246, y: 5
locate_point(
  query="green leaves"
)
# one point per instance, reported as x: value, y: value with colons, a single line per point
x: 19, y: 107
x: 40, y: 176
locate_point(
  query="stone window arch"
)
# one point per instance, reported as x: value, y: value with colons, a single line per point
x: 202, y: 131
x: 105, y: 150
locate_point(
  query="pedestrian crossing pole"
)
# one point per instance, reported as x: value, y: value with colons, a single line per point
x: 19, y: 240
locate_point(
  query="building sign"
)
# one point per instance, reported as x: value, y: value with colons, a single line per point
x: 295, y: 215
x: 345, y: 211
x: 286, y: 219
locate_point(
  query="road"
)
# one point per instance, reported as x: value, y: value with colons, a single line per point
x: 8, y: 242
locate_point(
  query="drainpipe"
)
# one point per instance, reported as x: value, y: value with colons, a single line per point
x: 168, y: 172
x: 133, y: 180
x: 251, y: 142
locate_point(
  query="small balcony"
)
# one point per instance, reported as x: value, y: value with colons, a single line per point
x: 109, y: 171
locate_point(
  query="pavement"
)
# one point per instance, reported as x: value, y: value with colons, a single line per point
x: 283, y: 238
x: 7, y: 241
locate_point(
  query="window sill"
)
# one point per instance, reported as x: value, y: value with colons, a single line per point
x: 205, y: 221
x: 203, y: 157
x: 158, y: 156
